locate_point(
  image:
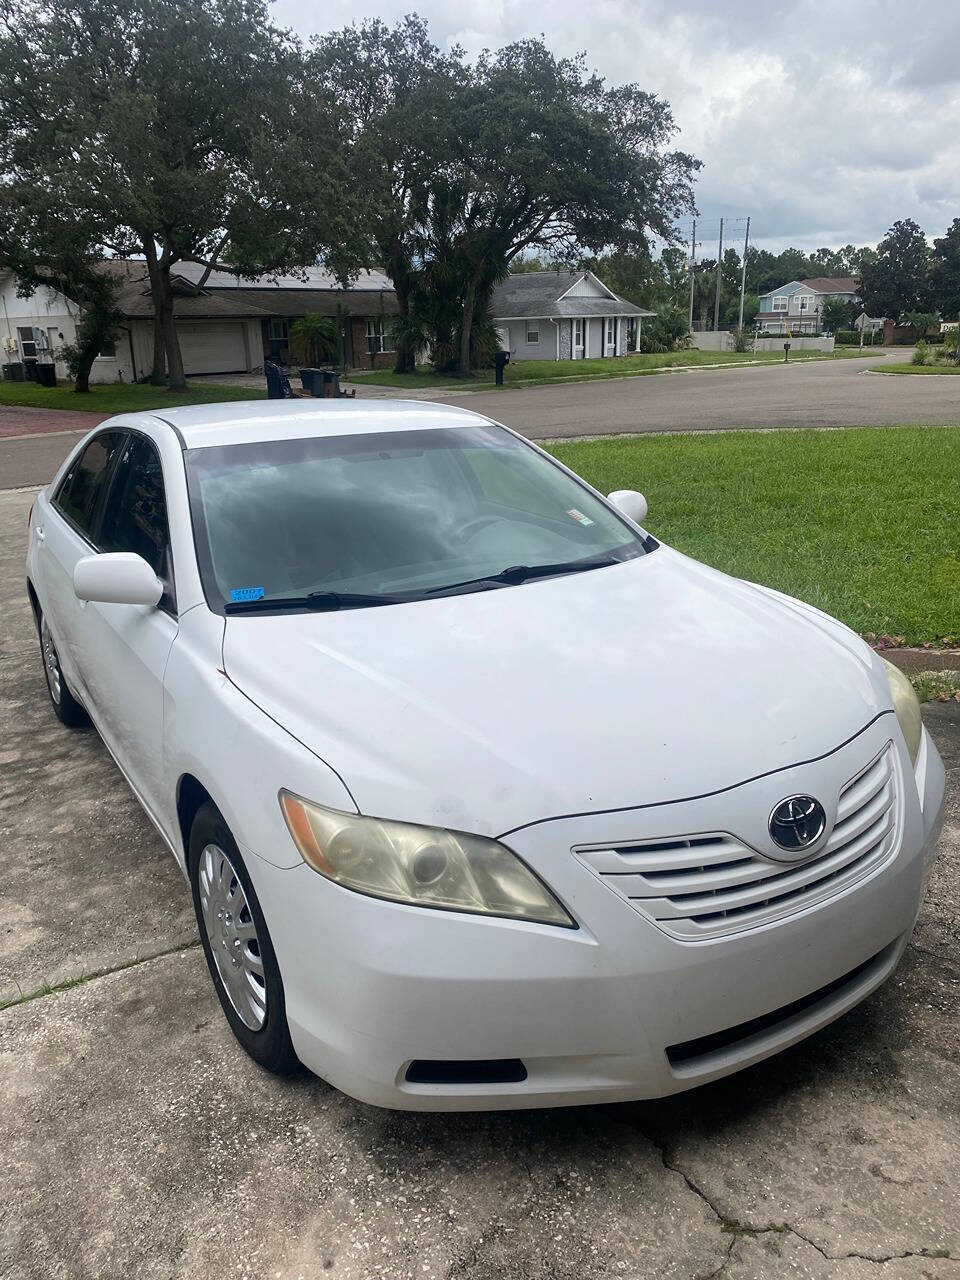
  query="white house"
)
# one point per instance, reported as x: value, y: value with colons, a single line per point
x: 563, y: 315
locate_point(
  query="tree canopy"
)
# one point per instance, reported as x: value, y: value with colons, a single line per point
x: 474, y: 163
x: 898, y: 281
x: 177, y: 130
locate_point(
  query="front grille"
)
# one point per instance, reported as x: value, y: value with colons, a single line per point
x: 710, y: 884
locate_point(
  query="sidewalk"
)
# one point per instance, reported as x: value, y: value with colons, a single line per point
x: 18, y: 420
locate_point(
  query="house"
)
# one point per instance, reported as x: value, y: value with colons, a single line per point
x: 230, y: 324
x: 797, y: 307
x: 563, y: 315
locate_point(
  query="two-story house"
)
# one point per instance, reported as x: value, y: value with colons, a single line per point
x: 797, y: 307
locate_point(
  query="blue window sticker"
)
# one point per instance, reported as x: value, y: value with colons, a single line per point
x: 239, y: 594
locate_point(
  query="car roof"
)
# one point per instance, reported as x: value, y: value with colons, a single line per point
x: 248, y: 421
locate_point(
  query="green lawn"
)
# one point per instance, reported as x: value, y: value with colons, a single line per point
x: 526, y: 372
x: 126, y: 398
x: 916, y: 368
x: 863, y: 522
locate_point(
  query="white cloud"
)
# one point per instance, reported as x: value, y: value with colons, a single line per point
x: 824, y: 122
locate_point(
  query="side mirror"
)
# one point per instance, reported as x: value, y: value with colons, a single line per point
x: 632, y: 504
x: 118, y: 577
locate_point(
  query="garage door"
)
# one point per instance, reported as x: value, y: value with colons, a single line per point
x: 212, y: 348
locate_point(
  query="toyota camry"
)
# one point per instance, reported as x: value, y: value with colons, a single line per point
x: 486, y: 796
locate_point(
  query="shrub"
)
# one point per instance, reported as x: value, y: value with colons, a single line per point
x: 314, y: 338
x: 921, y: 355
x: 665, y: 331
x: 740, y: 337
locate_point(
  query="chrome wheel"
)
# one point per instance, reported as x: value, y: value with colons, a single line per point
x: 232, y: 935
x: 51, y: 663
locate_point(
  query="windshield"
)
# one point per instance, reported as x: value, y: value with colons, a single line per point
x: 356, y: 520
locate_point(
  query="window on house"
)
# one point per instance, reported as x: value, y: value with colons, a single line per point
x: 28, y: 343
x: 611, y: 331
x: 278, y: 330
x: 780, y: 304
x: 379, y: 337
x: 533, y: 331
x: 108, y: 351
x: 578, y: 333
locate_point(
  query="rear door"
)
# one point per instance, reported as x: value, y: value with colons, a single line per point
x: 126, y: 646
x: 66, y: 533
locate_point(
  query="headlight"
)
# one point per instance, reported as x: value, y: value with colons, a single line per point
x: 907, y: 706
x: 423, y: 866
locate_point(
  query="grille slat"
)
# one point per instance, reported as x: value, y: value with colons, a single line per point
x: 712, y: 883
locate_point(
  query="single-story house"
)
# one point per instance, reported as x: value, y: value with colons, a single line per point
x: 563, y: 315
x: 797, y: 307
x: 229, y: 325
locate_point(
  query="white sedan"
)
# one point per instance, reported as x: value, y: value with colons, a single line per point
x: 487, y: 798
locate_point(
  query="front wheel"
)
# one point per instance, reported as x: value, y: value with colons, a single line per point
x: 236, y: 943
x: 65, y: 706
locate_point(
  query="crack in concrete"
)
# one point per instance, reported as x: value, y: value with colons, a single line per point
x: 66, y: 984
x: 738, y: 1228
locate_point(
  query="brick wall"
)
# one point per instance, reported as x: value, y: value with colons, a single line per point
x: 361, y: 356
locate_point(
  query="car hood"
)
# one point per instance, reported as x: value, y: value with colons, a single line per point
x: 653, y: 680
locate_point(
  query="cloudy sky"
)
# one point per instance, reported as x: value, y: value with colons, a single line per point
x: 823, y: 121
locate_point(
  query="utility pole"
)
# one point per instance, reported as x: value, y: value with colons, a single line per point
x: 716, y: 305
x: 743, y: 273
x: 693, y: 264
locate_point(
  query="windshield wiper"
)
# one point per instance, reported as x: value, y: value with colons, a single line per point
x: 517, y: 573
x: 315, y: 602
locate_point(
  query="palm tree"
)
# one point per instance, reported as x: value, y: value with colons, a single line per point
x: 314, y: 339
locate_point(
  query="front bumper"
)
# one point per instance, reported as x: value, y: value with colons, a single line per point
x: 613, y: 1011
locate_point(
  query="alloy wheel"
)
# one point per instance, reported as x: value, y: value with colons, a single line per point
x: 232, y: 935
x: 51, y: 663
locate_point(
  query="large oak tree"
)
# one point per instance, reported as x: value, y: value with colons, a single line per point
x: 183, y: 129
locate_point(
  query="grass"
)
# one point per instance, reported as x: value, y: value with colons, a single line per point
x: 937, y: 686
x: 917, y: 368
x: 120, y: 398
x: 864, y: 523
x: 527, y: 372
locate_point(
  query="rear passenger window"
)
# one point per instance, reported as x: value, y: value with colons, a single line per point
x: 79, y: 495
x: 135, y: 518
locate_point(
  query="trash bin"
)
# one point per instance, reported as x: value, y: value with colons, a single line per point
x: 332, y: 381
x: 30, y: 370
x: 47, y: 375
x: 500, y: 360
x: 308, y: 379
x: 15, y: 373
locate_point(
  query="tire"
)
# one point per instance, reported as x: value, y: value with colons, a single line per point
x: 236, y: 942
x: 65, y: 706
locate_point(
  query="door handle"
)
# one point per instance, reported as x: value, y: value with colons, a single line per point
x: 38, y: 530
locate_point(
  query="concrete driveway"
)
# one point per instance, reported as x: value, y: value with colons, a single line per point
x: 138, y: 1140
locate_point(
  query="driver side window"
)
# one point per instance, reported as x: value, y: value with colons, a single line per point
x: 135, y: 517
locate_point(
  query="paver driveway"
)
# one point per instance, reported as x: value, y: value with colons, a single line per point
x: 138, y: 1141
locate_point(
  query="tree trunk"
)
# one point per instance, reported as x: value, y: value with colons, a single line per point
x: 466, y: 327
x: 87, y: 355
x: 158, y: 374
x: 406, y: 360
x: 165, y: 344
x: 164, y: 307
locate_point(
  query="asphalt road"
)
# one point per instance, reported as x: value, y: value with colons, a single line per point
x: 813, y: 394
x: 139, y: 1141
